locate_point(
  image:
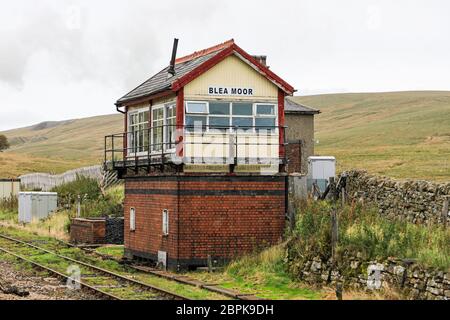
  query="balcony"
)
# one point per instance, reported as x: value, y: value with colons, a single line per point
x: 199, y: 144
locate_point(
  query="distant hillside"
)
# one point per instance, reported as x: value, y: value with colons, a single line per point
x: 400, y: 134
x: 58, y: 145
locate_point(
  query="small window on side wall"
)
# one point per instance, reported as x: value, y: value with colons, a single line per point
x: 132, y: 219
x: 165, y: 222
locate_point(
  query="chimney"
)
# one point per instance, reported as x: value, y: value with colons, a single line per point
x: 261, y: 59
x: 174, y: 56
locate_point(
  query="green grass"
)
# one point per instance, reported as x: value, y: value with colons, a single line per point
x: 398, y: 134
x: 362, y: 230
x: 113, y: 251
x: 262, y: 274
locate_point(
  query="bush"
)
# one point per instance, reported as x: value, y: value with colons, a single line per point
x: 4, y: 144
x: 362, y: 230
x: 9, y: 204
x: 93, y: 202
x: 81, y: 186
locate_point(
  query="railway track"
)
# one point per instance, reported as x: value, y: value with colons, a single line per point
x: 177, y: 278
x: 102, y: 282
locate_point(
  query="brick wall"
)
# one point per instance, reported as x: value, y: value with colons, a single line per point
x: 221, y: 216
x: 87, y: 231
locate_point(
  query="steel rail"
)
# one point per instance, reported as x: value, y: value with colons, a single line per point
x: 61, y: 275
x: 101, y: 270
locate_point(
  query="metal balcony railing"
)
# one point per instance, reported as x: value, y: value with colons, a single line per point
x: 202, y: 144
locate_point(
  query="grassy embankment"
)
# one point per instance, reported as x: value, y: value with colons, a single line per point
x: 397, y: 134
x: 362, y: 230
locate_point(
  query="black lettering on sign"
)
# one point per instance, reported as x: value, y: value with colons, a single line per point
x: 225, y: 91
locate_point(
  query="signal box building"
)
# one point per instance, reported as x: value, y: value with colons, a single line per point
x: 204, y: 156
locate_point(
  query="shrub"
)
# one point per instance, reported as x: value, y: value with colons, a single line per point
x: 362, y: 230
x: 81, y: 186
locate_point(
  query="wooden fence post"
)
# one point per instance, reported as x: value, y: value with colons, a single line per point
x: 210, y: 266
x: 334, y: 234
x: 343, y: 197
x: 445, y: 211
x: 78, y: 206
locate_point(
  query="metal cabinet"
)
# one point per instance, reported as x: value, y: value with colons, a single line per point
x: 34, y: 206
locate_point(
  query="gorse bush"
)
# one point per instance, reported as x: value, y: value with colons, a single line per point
x: 362, y: 230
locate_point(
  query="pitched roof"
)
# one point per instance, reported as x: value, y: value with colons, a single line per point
x: 191, y: 66
x: 291, y: 106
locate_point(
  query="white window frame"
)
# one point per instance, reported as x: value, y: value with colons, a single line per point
x: 231, y: 116
x: 165, y: 123
x: 129, y: 131
x: 156, y: 107
x: 165, y: 222
x: 132, y: 219
x: 166, y: 118
x: 197, y: 102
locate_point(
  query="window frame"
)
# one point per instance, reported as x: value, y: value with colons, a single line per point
x: 132, y: 219
x: 165, y: 222
x: 152, y: 128
x: 130, y: 152
x: 230, y: 116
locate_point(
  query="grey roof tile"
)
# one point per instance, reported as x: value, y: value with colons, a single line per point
x: 160, y: 81
x: 291, y: 106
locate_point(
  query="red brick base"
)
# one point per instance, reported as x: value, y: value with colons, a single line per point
x: 87, y: 231
x: 220, y: 216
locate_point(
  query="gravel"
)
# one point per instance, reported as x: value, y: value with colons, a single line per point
x: 39, y: 287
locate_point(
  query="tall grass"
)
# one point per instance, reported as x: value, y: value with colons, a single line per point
x: 362, y: 230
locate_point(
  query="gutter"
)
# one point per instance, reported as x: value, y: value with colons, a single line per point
x: 118, y: 109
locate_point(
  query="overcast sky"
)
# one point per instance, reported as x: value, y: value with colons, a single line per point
x: 69, y: 59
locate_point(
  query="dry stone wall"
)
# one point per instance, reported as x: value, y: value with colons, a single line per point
x: 416, y: 201
x: 410, y: 279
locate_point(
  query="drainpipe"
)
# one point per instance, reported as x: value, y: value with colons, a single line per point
x: 118, y: 109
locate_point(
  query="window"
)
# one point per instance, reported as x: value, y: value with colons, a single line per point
x: 138, y: 131
x: 157, y: 128
x: 195, y: 123
x: 217, y: 115
x: 196, y: 107
x: 242, y: 109
x: 132, y: 219
x: 165, y: 222
x: 171, y: 120
x: 265, y: 118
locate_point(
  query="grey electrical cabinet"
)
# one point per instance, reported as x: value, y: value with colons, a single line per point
x: 35, y: 206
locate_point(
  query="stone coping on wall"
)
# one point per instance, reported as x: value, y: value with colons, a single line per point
x: 417, y: 201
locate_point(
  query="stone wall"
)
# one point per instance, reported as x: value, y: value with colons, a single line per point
x: 416, y: 201
x: 411, y: 280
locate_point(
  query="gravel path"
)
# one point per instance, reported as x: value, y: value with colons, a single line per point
x: 39, y: 287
